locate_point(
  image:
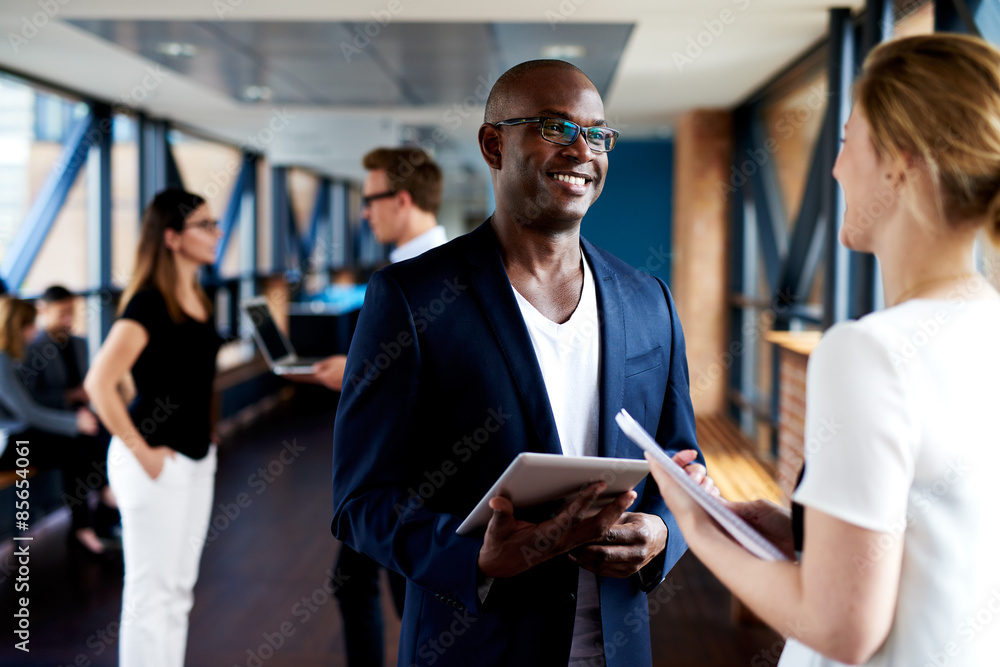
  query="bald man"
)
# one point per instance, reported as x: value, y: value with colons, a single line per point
x: 518, y: 337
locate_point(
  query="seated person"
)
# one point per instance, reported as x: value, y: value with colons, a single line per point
x: 55, y: 365
x: 67, y: 441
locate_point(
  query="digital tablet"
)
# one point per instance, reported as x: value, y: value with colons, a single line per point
x: 544, y: 482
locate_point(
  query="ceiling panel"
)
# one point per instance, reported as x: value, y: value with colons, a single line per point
x: 358, y: 64
x: 602, y: 45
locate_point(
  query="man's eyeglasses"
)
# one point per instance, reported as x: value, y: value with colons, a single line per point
x: 366, y: 200
x: 564, y: 132
x: 204, y: 225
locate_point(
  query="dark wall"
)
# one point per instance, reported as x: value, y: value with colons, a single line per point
x: 632, y: 218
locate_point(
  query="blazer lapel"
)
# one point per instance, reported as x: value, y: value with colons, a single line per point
x: 612, y: 327
x: 490, y: 283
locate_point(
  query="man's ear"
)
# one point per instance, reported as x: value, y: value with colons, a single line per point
x: 490, y: 145
x: 405, y: 198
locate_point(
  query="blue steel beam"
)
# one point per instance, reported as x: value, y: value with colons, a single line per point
x: 174, y: 178
x: 767, y: 227
x: 840, y: 77
x: 319, y: 219
x: 279, y: 218
x: 99, y: 229
x: 232, y: 213
x: 152, y: 159
x: 26, y: 244
x: 795, y: 282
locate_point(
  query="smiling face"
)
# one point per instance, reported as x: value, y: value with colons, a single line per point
x: 536, y: 181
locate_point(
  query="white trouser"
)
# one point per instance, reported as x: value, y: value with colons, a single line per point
x: 164, y: 523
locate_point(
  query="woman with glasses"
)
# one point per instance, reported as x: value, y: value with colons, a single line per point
x: 161, y: 461
x: 900, y: 564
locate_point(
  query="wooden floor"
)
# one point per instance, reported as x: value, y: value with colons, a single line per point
x: 266, y: 570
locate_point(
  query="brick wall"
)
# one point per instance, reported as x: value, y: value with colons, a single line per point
x: 792, y: 418
x: 703, y: 156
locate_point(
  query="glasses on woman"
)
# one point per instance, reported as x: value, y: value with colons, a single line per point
x: 205, y: 225
x: 564, y: 132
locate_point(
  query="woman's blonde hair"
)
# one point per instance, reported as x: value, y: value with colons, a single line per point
x: 936, y: 98
x: 154, y: 261
x: 14, y: 316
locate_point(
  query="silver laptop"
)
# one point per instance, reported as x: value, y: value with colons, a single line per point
x: 274, y: 345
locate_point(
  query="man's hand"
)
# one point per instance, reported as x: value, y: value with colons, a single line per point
x: 77, y: 396
x: 512, y: 546
x: 330, y: 371
x: 627, y: 547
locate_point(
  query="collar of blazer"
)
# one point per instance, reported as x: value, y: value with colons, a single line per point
x: 492, y: 287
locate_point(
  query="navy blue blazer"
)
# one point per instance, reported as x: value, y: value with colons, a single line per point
x: 441, y: 391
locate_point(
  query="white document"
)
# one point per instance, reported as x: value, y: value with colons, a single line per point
x: 741, y: 531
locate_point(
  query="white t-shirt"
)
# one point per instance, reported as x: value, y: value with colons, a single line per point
x: 569, y: 357
x: 902, y: 435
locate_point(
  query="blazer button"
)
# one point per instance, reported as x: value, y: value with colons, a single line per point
x: 571, y: 598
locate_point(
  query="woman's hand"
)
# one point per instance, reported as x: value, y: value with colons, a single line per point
x: 772, y: 521
x: 151, y: 458
x: 86, y: 422
x: 685, y: 509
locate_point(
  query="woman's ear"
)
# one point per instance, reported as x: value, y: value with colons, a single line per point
x: 490, y: 145
x: 172, y: 239
x: 896, y: 173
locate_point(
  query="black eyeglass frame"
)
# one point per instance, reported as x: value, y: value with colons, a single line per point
x: 204, y: 225
x: 576, y: 135
x: 366, y: 200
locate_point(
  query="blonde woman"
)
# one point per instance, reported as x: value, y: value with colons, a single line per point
x: 901, y: 557
x: 161, y: 463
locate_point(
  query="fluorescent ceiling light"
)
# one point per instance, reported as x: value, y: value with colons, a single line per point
x: 177, y: 49
x: 563, y: 51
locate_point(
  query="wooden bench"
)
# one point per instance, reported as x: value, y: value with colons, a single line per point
x: 733, y: 463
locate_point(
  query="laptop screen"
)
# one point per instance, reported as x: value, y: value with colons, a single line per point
x: 260, y: 315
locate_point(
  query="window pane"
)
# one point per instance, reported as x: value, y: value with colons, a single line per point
x: 210, y: 169
x: 302, y: 189
x: 125, y: 205
x: 16, y: 121
x: 34, y: 125
x: 793, y: 122
x: 914, y: 17
x: 63, y: 258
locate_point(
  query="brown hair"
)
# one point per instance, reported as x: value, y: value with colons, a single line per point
x: 937, y: 98
x: 154, y: 261
x: 412, y: 170
x: 14, y: 316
